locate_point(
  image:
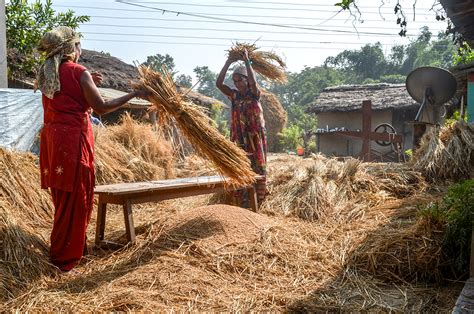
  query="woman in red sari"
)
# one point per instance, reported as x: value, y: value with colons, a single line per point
x: 67, y: 142
x: 247, y: 122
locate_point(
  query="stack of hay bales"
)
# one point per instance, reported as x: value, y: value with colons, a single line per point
x: 275, y: 119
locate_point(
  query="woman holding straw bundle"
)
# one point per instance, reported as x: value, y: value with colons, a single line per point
x: 247, y: 123
x: 67, y: 143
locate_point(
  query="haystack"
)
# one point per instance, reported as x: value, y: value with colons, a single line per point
x: 275, y: 118
x: 26, y: 213
x: 315, y: 189
x: 446, y: 153
x: 131, y: 151
x: 228, y: 158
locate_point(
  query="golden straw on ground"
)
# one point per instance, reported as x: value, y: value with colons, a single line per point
x: 230, y: 160
x: 265, y: 63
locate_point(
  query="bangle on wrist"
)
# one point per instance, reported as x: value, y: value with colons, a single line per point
x: 249, y: 62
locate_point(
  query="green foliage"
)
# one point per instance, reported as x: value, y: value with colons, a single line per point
x: 456, y: 213
x: 219, y: 119
x: 156, y: 63
x: 184, y: 80
x: 464, y: 54
x: 455, y: 117
x: 25, y: 25
x: 290, y: 138
x: 393, y: 78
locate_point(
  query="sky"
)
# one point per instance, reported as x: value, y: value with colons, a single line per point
x: 198, y: 32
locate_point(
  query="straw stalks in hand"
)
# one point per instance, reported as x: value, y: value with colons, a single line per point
x: 230, y: 160
x: 265, y: 63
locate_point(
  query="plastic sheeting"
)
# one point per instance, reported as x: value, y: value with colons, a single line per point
x: 21, y: 118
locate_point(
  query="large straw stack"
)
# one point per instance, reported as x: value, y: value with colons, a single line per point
x: 275, y: 118
x: 25, y: 219
x: 268, y: 64
x: 230, y: 160
x: 317, y: 188
x: 446, y: 153
x: 131, y: 151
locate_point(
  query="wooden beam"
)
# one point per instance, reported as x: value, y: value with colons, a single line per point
x: 366, y: 129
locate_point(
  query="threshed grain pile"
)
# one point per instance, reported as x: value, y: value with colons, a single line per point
x: 275, y: 118
x: 447, y: 152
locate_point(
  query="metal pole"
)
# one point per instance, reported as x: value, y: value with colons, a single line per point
x: 470, y: 97
x: 3, y: 47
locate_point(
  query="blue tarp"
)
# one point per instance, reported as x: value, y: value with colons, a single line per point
x: 21, y: 118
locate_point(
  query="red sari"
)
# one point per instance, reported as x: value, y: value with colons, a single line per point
x: 67, y: 166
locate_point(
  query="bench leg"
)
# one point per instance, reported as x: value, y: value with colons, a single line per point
x: 100, y: 225
x: 252, y: 191
x: 129, y: 226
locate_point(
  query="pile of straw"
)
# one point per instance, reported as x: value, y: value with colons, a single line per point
x: 267, y: 64
x: 131, y: 151
x: 313, y: 189
x: 446, y: 153
x: 230, y: 160
x: 26, y: 215
x: 275, y: 118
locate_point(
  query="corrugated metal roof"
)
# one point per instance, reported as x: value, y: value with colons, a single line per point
x: 110, y: 93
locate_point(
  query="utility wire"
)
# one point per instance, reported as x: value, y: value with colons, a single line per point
x: 329, y: 47
x: 198, y: 14
x: 248, y: 7
x: 233, y: 39
x: 229, y: 22
x: 222, y: 30
x: 243, y: 22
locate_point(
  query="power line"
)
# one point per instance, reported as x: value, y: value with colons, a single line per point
x: 232, y: 39
x: 245, y: 7
x: 229, y: 22
x: 243, y: 22
x: 210, y: 44
x: 224, y: 30
x: 198, y: 14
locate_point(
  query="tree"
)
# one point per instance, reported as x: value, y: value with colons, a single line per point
x: 184, y: 80
x: 359, y: 65
x: 207, y: 83
x: 26, y: 24
x: 156, y: 63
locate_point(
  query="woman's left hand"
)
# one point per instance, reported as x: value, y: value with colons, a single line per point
x: 97, y: 78
x: 245, y: 55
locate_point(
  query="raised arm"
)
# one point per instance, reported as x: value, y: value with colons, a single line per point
x: 220, y: 78
x: 95, y: 100
x: 250, y: 74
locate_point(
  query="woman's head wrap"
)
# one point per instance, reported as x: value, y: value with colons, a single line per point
x: 55, y: 44
x: 241, y: 70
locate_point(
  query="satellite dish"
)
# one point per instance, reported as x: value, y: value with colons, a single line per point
x: 432, y: 85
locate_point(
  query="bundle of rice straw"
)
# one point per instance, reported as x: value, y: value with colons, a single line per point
x: 265, y: 63
x: 230, y: 160
x: 446, y: 153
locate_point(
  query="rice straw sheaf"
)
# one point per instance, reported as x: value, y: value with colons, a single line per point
x: 230, y: 160
x: 446, y: 153
x: 267, y: 64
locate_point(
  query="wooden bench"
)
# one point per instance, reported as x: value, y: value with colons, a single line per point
x: 126, y: 194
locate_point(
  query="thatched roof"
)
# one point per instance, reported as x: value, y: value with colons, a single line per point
x: 461, y: 14
x: 346, y: 98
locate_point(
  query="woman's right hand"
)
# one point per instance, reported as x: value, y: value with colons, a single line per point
x: 142, y: 94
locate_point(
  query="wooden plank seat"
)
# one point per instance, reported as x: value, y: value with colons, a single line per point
x: 126, y: 194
